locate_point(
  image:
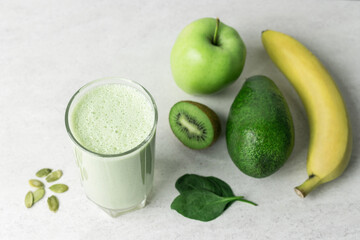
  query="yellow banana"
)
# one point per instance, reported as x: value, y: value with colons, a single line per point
x: 330, y: 133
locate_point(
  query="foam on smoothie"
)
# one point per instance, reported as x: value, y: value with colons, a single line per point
x: 112, y: 119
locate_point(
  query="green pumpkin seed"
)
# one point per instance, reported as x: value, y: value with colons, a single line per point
x: 59, y: 188
x: 39, y: 194
x: 43, y: 172
x: 52, y: 177
x: 36, y: 183
x: 29, y: 199
x: 53, y: 203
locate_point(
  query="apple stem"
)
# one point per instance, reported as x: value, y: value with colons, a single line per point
x: 215, y: 39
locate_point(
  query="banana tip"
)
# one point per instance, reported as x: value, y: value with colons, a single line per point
x: 299, y: 193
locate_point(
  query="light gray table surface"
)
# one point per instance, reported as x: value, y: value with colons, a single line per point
x: 49, y: 49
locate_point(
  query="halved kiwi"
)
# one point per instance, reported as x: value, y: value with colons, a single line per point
x: 194, y: 124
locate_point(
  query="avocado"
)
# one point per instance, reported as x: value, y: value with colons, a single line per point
x: 259, y: 129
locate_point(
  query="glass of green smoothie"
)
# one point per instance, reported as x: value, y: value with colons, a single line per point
x: 112, y: 123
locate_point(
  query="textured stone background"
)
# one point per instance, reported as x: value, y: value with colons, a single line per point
x: 49, y: 49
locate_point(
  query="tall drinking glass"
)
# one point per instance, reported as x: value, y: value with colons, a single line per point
x: 117, y: 181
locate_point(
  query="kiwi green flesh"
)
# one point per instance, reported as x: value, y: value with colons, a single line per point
x: 191, y: 125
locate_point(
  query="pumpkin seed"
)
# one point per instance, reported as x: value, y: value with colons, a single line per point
x: 29, y: 199
x: 36, y: 183
x: 38, y: 194
x: 43, y: 172
x: 53, y: 203
x: 59, y: 188
x: 52, y: 177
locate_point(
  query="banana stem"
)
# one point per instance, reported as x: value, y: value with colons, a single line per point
x: 310, y: 184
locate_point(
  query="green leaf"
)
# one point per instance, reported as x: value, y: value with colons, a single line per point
x: 203, y: 198
x: 195, y: 182
x: 222, y: 188
x: 201, y: 204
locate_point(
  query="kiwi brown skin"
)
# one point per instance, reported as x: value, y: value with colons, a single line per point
x: 214, y: 120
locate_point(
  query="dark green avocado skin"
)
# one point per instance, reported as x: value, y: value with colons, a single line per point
x: 259, y: 129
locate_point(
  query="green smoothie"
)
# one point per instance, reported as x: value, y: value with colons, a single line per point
x: 112, y: 119
x: 112, y: 123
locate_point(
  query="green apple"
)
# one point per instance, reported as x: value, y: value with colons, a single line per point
x: 207, y: 56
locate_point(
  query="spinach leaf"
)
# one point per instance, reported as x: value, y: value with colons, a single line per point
x: 202, y: 205
x: 222, y: 187
x: 195, y: 182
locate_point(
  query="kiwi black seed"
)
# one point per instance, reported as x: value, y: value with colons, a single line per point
x: 194, y: 124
